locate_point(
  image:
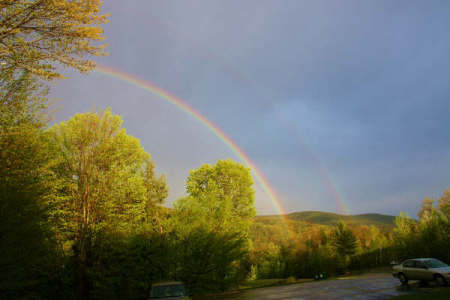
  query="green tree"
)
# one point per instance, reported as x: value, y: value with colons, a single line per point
x: 107, y: 183
x: 405, y: 237
x: 222, y: 195
x: 344, y: 243
x: 27, y: 249
x: 343, y: 240
x: 212, y: 225
x: 36, y: 35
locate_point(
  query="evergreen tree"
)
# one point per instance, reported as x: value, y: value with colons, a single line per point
x: 344, y: 241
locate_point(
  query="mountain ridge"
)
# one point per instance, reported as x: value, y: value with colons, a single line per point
x: 329, y: 218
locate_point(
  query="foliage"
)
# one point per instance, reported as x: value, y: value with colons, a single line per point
x: 210, y: 261
x: 125, y: 266
x: 38, y: 35
x: 307, y: 248
x: 426, y: 208
x: 222, y: 194
x: 429, y: 237
x: 28, y: 253
x: 106, y: 183
x: 107, y: 176
x: 212, y: 226
x: 444, y: 203
x: 343, y: 240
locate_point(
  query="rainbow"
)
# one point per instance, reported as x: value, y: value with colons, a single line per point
x: 230, y: 68
x: 260, y: 178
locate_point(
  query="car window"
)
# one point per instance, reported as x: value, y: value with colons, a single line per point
x: 419, y: 264
x: 408, y: 264
x: 435, y: 263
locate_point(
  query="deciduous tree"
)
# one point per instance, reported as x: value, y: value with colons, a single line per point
x: 222, y: 194
x: 26, y: 184
x: 38, y: 35
x: 444, y: 203
x: 107, y: 182
x: 426, y: 208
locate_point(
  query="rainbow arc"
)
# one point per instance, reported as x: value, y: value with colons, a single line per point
x: 182, y: 105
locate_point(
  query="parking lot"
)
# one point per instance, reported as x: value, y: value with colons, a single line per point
x: 369, y: 286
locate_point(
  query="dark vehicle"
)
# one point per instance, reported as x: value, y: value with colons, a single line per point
x: 423, y: 269
x: 168, y: 290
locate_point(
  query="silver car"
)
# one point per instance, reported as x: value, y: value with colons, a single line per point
x: 424, y: 269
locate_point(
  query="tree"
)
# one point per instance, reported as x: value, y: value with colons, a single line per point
x: 343, y: 240
x: 107, y: 183
x: 37, y: 35
x: 444, y: 203
x: 27, y: 248
x: 426, y: 208
x: 212, y: 225
x: 223, y: 194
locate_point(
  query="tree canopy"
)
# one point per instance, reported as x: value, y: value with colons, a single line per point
x: 106, y: 183
x: 37, y: 35
x: 222, y: 194
x: 107, y: 175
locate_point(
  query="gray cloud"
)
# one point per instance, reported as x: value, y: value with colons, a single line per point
x: 357, y: 90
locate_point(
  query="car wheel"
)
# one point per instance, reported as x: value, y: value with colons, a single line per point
x: 403, y: 278
x: 440, y: 280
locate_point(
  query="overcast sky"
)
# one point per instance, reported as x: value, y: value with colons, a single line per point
x: 330, y: 99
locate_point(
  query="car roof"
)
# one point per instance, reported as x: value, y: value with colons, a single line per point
x: 419, y: 259
x: 167, y: 283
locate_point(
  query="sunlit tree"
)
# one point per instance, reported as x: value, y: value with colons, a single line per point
x: 221, y: 194
x: 38, y: 35
x: 212, y: 224
x: 426, y: 208
x: 107, y: 182
x: 444, y: 203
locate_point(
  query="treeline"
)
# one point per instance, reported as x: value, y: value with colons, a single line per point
x: 305, y: 249
x: 310, y: 249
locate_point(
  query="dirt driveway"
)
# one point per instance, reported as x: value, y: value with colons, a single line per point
x: 369, y: 286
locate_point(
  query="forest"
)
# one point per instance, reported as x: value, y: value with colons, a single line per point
x: 82, y: 210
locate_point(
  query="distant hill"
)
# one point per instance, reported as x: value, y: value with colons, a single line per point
x: 327, y: 218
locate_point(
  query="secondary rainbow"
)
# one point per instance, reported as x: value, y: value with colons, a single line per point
x: 144, y: 84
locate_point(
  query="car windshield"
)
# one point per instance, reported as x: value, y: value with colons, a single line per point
x: 435, y: 263
x: 165, y: 291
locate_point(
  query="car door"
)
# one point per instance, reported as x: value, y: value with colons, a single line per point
x: 422, y: 272
x: 408, y: 269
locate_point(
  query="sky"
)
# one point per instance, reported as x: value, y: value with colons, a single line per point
x: 343, y: 105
